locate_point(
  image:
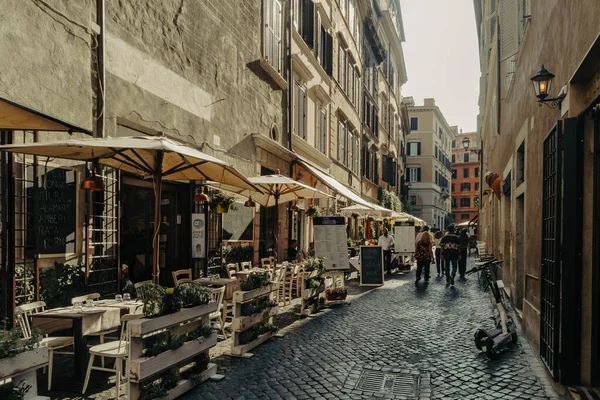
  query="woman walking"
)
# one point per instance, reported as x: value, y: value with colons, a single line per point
x: 438, y: 253
x: 424, y: 256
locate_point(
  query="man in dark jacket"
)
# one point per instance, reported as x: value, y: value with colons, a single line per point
x: 450, y: 244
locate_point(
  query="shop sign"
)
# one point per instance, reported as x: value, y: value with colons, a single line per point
x: 198, y: 235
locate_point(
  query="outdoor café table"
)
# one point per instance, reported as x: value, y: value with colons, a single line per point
x: 231, y: 285
x: 88, y: 321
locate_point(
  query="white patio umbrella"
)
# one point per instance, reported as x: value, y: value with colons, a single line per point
x: 275, y: 189
x: 155, y: 157
x: 365, y: 211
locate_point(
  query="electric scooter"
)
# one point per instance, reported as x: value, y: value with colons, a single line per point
x: 492, y: 341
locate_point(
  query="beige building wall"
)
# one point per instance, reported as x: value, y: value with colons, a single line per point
x: 430, y: 199
x: 512, y: 127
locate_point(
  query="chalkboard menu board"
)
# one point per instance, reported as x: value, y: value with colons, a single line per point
x: 371, y: 265
x: 56, y: 211
x: 238, y: 224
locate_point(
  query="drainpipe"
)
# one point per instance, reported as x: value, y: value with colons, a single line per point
x: 290, y: 76
x: 100, y: 55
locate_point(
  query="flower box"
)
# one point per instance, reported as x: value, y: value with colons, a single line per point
x: 240, y: 324
x: 242, y: 297
x: 145, y: 367
x: 140, y: 327
x: 312, y: 292
x: 335, y: 296
x: 186, y: 385
x: 23, y: 362
x: 240, y: 350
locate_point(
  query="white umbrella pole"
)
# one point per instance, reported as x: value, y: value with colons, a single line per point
x: 157, y: 201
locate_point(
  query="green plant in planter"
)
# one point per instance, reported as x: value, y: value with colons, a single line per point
x: 255, y: 280
x: 152, y: 298
x: 16, y: 392
x: 355, y: 215
x: 170, y: 378
x: 14, y: 344
x: 194, y: 374
x: 158, y: 344
x: 221, y: 202
x: 314, y: 283
x: 203, y: 331
x: 171, y: 301
x: 193, y: 295
x: 315, y: 263
x: 313, y: 211
x: 60, y: 283
x: 153, y: 390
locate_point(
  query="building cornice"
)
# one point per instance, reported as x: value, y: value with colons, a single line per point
x: 273, y: 147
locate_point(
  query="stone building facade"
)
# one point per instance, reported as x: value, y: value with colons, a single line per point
x: 466, y: 178
x: 428, y: 165
x: 267, y: 86
x: 545, y: 225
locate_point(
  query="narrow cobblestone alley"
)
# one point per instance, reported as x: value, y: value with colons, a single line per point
x: 396, y: 328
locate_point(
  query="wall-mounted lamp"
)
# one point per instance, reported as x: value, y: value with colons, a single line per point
x: 466, y: 142
x: 542, y: 82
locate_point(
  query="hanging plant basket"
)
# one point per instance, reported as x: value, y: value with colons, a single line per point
x: 222, y: 208
x: 221, y: 203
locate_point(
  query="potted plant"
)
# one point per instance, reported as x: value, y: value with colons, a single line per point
x: 152, y: 298
x: 355, y: 215
x: 193, y: 295
x: 336, y: 294
x: 222, y: 203
x: 171, y: 301
x: 19, y: 358
x: 313, y: 211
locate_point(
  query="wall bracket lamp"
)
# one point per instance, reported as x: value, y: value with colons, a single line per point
x: 541, y: 85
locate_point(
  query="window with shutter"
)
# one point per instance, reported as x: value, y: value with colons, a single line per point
x: 414, y: 123
x: 419, y: 174
x: 466, y: 157
x: 341, y: 142
x: 326, y: 51
x: 357, y: 148
x: 509, y: 31
x: 273, y: 34
x: 300, y: 111
x: 322, y: 131
x: 350, y: 144
x: 419, y: 148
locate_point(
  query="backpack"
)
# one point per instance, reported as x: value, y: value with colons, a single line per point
x: 422, y: 252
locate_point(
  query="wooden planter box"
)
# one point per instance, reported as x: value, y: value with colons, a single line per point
x: 242, y: 349
x: 180, y: 323
x: 145, y: 367
x: 23, y: 362
x: 312, y: 292
x: 240, y: 324
x: 185, y: 385
x: 143, y: 326
x: 23, y: 367
x: 242, y: 297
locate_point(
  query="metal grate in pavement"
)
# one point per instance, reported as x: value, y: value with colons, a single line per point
x: 402, y: 384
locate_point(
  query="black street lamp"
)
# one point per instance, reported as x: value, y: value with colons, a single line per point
x: 466, y: 142
x: 542, y: 82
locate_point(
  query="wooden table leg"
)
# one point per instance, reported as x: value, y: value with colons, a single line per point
x: 80, y: 349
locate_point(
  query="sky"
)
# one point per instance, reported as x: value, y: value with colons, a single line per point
x: 442, y: 57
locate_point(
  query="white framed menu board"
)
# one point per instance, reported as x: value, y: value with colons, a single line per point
x: 331, y: 242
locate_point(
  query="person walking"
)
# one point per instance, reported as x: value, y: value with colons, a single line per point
x: 424, y: 231
x: 386, y: 241
x: 450, y: 253
x: 424, y: 256
x: 438, y: 253
x: 464, y: 248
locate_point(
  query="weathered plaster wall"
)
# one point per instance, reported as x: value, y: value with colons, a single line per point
x: 45, y: 57
x: 169, y: 71
x: 560, y: 48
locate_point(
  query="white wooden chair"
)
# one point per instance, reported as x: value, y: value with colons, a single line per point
x: 185, y: 274
x: 267, y: 262
x: 245, y: 265
x: 85, y: 297
x: 117, y: 349
x: 138, y: 285
x: 22, y: 314
x: 102, y: 334
x: 284, y: 290
x: 217, y: 295
x: 231, y: 270
x: 297, y: 279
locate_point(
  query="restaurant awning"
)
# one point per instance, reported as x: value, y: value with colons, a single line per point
x: 333, y: 184
x: 14, y: 116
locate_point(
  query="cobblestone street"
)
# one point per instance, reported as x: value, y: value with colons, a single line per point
x: 396, y: 328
